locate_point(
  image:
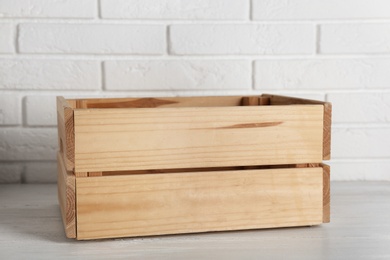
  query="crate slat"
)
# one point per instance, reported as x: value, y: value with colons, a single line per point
x: 190, y: 137
x: 172, y: 203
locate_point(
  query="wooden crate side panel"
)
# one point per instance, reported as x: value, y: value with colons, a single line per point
x: 159, y: 102
x: 67, y: 197
x: 65, y: 126
x: 327, y: 131
x: 326, y: 193
x: 155, y: 204
x: 282, y: 100
x: 167, y: 138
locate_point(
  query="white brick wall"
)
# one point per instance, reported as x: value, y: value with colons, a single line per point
x: 239, y: 39
x: 11, y: 172
x: 175, y: 9
x: 178, y: 75
x: 372, y: 107
x: 23, y: 144
x: 48, y: 8
x: 326, y: 74
x: 91, y: 38
x: 10, y: 109
x: 33, y: 74
x: 355, y: 38
x: 360, y: 142
x: 44, y: 106
x: 332, y: 50
x: 319, y: 9
x: 7, y: 38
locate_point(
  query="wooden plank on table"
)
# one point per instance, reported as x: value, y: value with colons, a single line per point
x: 282, y: 100
x: 67, y: 197
x: 155, y: 204
x: 326, y: 193
x: 65, y: 127
x: 159, y: 102
x: 168, y: 138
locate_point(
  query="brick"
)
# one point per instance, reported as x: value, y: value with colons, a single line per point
x: 41, y: 110
x: 175, y: 9
x: 10, y: 172
x: 360, y: 143
x: 10, y: 109
x: 355, y: 38
x: 48, y: 8
x: 242, y: 39
x: 50, y: 74
x: 7, y: 38
x: 360, y: 171
x: 177, y: 75
x: 41, y: 172
x: 360, y: 107
x: 17, y: 144
x: 319, y: 9
x: 323, y: 73
x: 92, y: 38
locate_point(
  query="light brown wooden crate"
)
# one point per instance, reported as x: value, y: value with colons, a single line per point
x: 164, y: 138
x: 202, y: 150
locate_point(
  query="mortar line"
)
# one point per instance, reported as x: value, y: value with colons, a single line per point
x: 99, y: 10
x: 250, y: 10
x: 318, y: 39
x: 103, y: 76
x: 16, y: 39
x: 168, y: 40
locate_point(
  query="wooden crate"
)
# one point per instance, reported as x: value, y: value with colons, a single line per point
x: 153, y: 166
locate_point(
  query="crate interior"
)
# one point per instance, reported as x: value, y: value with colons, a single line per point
x: 210, y: 101
x: 211, y: 169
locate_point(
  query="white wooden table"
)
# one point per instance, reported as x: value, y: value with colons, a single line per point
x: 31, y: 228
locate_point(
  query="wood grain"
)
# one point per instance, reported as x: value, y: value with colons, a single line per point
x: 81, y: 174
x: 95, y: 174
x: 327, y: 111
x: 159, y: 102
x: 191, y: 137
x: 326, y: 191
x: 327, y: 130
x: 65, y: 126
x: 154, y: 204
x: 250, y: 101
x: 67, y: 197
x: 264, y: 101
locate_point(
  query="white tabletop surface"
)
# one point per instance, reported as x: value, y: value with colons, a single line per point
x: 31, y: 228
